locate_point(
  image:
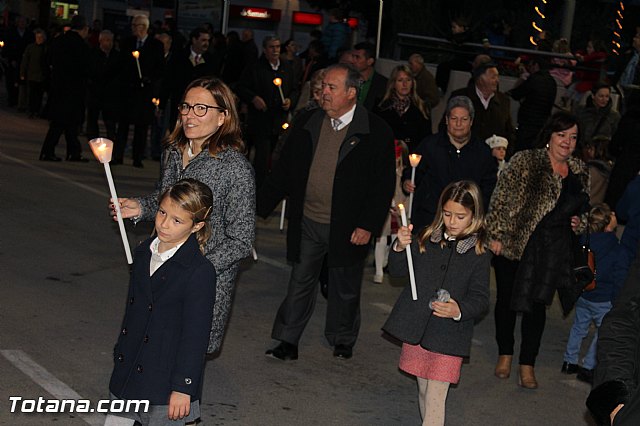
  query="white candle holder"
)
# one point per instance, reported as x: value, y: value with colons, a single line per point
x: 412, y: 277
x: 414, y: 160
x: 102, y: 149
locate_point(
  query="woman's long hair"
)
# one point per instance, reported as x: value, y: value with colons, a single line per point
x: 196, y: 198
x: 413, y: 96
x: 466, y: 193
x: 229, y: 135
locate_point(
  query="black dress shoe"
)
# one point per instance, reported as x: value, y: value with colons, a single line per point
x: 49, y: 158
x: 343, y: 351
x: 585, y: 375
x: 568, y: 368
x: 284, y: 351
x: 78, y: 159
x: 138, y: 164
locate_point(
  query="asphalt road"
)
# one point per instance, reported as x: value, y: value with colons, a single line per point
x: 63, y: 279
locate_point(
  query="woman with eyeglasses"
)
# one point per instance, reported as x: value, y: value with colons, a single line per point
x: 207, y: 145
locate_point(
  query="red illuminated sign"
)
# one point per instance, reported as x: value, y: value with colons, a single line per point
x: 256, y: 13
x: 305, y: 18
x: 353, y: 23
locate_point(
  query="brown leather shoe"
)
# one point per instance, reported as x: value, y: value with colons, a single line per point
x: 503, y: 367
x: 527, y: 379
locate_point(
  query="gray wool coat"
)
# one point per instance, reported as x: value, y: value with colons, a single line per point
x: 458, y: 269
x: 230, y: 177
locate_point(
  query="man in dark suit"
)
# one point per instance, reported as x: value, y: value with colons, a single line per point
x: 492, y: 107
x: 69, y: 65
x: 267, y: 110
x: 337, y: 169
x: 103, y: 92
x: 140, y: 83
x: 190, y: 63
x: 374, y: 85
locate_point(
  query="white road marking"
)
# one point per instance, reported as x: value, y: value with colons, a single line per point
x: 56, y: 175
x: 48, y: 381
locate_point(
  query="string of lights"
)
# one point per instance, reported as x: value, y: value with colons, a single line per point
x: 538, y: 20
x: 618, y: 20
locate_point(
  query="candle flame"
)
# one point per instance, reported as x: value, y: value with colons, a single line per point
x: 285, y: 126
x: 135, y: 54
x: 277, y: 81
x: 414, y: 159
x: 401, y: 206
x: 155, y: 101
x: 102, y: 147
x: 1, y: 43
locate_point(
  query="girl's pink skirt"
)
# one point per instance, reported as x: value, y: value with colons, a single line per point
x: 416, y: 360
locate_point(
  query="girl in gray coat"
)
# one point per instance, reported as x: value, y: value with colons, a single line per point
x: 450, y: 260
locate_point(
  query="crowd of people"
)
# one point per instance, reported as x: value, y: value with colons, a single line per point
x: 484, y: 192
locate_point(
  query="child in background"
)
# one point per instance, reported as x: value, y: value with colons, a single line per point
x: 163, y: 340
x: 448, y: 255
x: 390, y: 228
x: 612, y: 265
x: 498, y: 146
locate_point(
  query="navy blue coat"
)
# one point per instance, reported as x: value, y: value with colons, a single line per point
x: 612, y: 265
x: 442, y: 164
x: 164, y: 336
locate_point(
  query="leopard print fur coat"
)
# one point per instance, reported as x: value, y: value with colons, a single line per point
x: 526, y: 191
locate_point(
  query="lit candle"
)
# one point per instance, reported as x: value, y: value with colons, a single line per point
x: 414, y: 160
x: 285, y: 126
x: 102, y: 148
x: 1, y: 43
x: 136, y: 55
x: 412, y: 277
x: 155, y: 102
x: 278, y: 82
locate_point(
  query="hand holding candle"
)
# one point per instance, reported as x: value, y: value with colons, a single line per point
x: 414, y: 160
x: 102, y: 148
x: 278, y: 82
x: 412, y: 278
x: 136, y: 55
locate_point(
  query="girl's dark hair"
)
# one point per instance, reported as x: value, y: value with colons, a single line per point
x: 196, y: 198
x: 228, y: 135
x: 558, y: 122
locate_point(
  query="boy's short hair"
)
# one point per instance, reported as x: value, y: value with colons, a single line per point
x: 599, y: 217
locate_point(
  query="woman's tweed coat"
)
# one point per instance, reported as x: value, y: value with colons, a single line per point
x: 526, y: 191
x: 230, y: 177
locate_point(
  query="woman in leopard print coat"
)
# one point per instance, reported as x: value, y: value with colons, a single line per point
x: 534, y: 207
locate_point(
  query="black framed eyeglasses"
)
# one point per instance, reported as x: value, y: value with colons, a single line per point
x: 200, y: 110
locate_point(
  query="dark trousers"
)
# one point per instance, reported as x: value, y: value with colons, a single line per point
x: 139, y: 144
x: 533, y: 322
x: 56, y: 129
x: 343, y: 301
x: 93, y: 129
x: 263, y: 145
x: 35, y: 91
